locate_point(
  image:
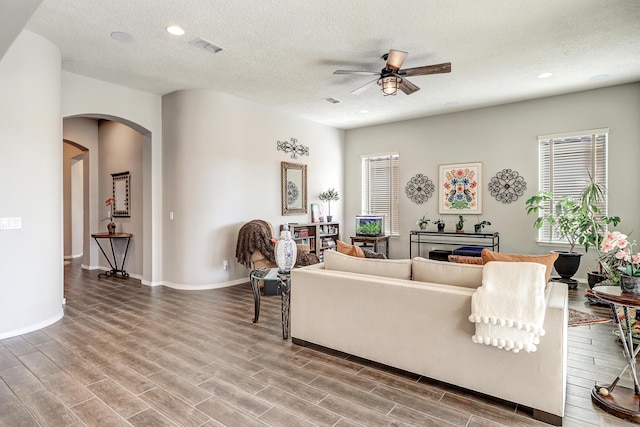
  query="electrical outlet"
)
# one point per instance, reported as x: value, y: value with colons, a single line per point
x: 225, y: 264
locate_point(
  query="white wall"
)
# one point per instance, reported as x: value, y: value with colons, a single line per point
x: 222, y: 169
x: 121, y: 151
x: 504, y: 137
x: 84, y: 132
x: 77, y: 206
x: 87, y: 97
x: 31, y: 275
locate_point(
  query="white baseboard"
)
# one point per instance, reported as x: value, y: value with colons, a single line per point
x: 175, y: 285
x: 34, y: 327
x: 205, y: 286
x: 72, y: 256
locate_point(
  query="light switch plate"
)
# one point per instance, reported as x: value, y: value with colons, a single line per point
x: 10, y: 223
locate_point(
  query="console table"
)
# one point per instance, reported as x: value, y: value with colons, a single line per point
x: 113, y: 264
x: 476, y: 240
x: 620, y: 401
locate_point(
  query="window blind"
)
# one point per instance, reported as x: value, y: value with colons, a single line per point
x: 380, y: 189
x: 566, y: 162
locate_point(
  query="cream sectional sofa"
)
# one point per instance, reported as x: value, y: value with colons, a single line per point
x: 413, y: 315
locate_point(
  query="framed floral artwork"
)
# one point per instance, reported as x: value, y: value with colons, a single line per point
x: 460, y: 190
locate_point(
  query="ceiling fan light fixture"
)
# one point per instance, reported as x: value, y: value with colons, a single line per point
x: 389, y: 85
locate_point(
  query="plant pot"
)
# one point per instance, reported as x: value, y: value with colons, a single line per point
x: 111, y: 227
x: 594, y: 278
x: 423, y: 227
x: 478, y: 228
x: 567, y: 263
x: 630, y: 284
x: 459, y: 230
x: 440, y: 228
x: 329, y: 218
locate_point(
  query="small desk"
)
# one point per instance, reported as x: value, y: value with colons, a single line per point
x: 114, y: 265
x: 620, y: 401
x: 373, y: 240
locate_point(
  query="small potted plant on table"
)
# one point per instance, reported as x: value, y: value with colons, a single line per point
x: 423, y: 222
x: 440, y: 224
x: 328, y: 196
x: 479, y: 226
x: 460, y: 224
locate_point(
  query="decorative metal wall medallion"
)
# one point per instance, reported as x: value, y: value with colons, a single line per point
x: 419, y: 189
x: 507, y: 186
x: 293, y: 147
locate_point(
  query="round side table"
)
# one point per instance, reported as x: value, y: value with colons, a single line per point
x: 617, y: 400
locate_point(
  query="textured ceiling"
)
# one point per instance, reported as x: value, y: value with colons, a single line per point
x: 283, y: 52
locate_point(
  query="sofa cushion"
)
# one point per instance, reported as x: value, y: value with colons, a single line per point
x: 546, y: 260
x: 393, y: 268
x: 447, y: 273
x: 347, y: 249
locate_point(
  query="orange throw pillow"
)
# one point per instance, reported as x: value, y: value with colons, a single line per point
x: 352, y: 250
x: 546, y: 260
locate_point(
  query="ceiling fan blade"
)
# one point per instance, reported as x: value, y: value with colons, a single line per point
x: 370, y: 73
x: 395, y: 59
x: 363, y: 87
x: 407, y: 87
x: 427, y: 69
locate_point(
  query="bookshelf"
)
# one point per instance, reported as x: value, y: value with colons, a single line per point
x: 320, y: 236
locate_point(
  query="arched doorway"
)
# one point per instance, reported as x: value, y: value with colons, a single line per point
x: 108, y: 144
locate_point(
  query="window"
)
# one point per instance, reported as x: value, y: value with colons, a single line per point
x: 566, y: 163
x: 380, y: 189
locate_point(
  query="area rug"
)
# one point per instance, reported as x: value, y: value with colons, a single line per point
x: 579, y: 318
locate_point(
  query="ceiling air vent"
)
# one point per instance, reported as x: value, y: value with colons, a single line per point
x: 207, y: 45
x: 331, y: 100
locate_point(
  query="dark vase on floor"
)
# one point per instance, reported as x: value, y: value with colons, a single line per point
x: 566, y: 266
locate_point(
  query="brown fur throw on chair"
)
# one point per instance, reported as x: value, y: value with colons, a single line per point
x: 256, y: 235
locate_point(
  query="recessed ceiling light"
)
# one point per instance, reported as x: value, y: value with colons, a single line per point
x: 123, y: 37
x: 599, y: 77
x: 175, y: 30
x: 545, y: 75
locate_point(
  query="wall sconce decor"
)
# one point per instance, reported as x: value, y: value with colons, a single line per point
x: 507, y: 186
x: 293, y: 147
x: 419, y: 189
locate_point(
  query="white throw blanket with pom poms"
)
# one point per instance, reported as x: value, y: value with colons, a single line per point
x: 508, y: 309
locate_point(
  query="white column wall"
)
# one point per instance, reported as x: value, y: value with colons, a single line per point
x: 31, y: 258
x: 222, y: 169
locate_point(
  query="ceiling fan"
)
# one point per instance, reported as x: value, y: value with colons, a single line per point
x: 392, y: 78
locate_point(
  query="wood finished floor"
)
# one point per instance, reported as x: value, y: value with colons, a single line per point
x: 127, y: 354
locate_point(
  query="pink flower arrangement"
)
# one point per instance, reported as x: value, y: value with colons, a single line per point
x: 615, y: 240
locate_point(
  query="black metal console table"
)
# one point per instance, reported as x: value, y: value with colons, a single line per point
x: 476, y: 240
x: 114, y: 265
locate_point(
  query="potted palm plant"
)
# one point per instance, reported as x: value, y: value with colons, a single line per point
x: 578, y: 221
x: 328, y: 196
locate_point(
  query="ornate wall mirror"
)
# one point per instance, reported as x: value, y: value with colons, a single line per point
x: 294, y: 188
x: 121, y: 194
